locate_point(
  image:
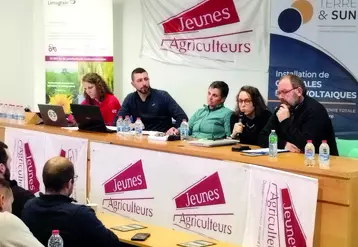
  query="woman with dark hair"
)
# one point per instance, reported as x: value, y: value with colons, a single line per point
x: 96, y: 92
x: 250, y: 116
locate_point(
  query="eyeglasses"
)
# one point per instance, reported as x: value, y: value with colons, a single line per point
x: 75, y: 178
x: 278, y: 93
x: 245, y: 101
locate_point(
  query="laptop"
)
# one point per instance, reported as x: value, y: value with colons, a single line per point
x: 89, y: 118
x: 213, y: 143
x: 53, y: 115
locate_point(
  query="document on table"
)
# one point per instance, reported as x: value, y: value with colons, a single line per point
x: 260, y: 151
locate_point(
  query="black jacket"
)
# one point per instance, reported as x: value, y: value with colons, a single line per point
x: 156, y: 112
x: 253, y: 127
x: 308, y: 121
x: 21, y: 196
x: 78, y: 224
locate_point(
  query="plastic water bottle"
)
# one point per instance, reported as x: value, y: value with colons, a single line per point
x: 309, y: 153
x: 184, y: 130
x: 1, y: 111
x: 6, y: 112
x: 55, y: 240
x: 273, y: 144
x: 323, y: 155
x: 138, y: 127
x: 11, y: 114
x: 119, y: 124
x: 21, y: 114
x: 126, y: 126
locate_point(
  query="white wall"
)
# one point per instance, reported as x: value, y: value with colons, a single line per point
x: 188, y: 86
x: 16, y: 52
x: 22, y: 61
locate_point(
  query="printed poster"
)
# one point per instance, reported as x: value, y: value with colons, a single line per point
x: 216, y: 199
x: 78, y: 40
x: 31, y: 149
x: 282, y: 209
x: 317, y: 40
x: 27, y: 158
x: 74, y: 149
x: 219, y: 34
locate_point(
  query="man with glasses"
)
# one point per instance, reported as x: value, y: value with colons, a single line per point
x: 298, y: 118
x: 156, y: 108
x: 54, y: 210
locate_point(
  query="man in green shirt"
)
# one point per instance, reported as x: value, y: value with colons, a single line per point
x: 213, y: 120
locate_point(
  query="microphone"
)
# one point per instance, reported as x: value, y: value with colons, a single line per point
x: 241, y: 115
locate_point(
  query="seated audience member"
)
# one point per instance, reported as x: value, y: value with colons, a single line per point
x: 13, y: 232
x: 20, y: 194
x: 250, y: 116
x: 156, y: 108
x: 96, y: 92
x: 213, y: 120
x: 54, y: 210
x: 298, y: 118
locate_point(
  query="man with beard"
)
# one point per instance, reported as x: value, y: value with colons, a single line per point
x: 20, y: 194
x: 156, y: 108
x: 298, y: 118
x: 54, y: 210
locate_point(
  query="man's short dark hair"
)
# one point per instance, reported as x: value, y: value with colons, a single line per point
x: 222, y: 86
x: 4, y: 159
x: 57, y: 172
x: 3, y: 155
x: 5, y: 185
x: 296, y: 82
x: 137, y: 71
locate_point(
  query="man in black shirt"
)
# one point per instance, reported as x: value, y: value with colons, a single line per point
x: 20, y: 194
x: 298, y: 118
x: 54, y: 210
x: 156, y: 108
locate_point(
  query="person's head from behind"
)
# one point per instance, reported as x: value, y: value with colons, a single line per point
x: 140, y: 80
x: 291, y: 90
x: 217, y: 93
x: 58, y: 176
x: 6, y: 197
x: 5, y: 159
x: 250, y: 102
x: 94, y: 87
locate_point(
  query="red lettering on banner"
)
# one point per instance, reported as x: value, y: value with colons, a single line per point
x: 131, y: 178
x: 294, y: 235
x: 207, y: 14
x: 204, y: 193
x: 33, y: 182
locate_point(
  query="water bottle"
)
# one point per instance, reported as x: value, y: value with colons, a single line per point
x: 1, y: 111
x: 55, y: 240
x: 138, y: 127
x: 6, y: 112
x: 309, y: 153
x: 273, y: 144
x: 22, y: 113
x: 11, y: 114
x: 126, y: 125
x: 323, y: 155
x: 184, y: 130
x: 119, y: 124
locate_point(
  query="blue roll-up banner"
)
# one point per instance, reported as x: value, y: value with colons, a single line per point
x: 317, y: 41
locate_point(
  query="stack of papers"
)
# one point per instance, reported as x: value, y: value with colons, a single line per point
x: 260, y: 151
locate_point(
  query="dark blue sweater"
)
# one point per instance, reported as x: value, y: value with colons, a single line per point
x: 78, y: 224
x: 156, y: 112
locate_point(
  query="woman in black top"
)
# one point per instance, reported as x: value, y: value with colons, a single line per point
x: 250, y: 116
